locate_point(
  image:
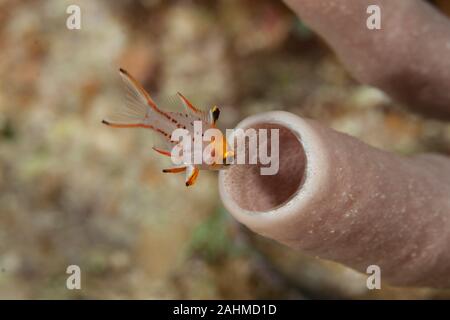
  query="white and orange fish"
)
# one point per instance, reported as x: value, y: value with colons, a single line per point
x: 142, y: 112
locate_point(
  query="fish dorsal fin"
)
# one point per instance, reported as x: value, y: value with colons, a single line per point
x: 213, y: 115
x: 170, y: 103
x: 190, y: 108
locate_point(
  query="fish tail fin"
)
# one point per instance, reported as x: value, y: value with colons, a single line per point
x: 139, y: 103
x: 136, y: 91
x: 139, y: 109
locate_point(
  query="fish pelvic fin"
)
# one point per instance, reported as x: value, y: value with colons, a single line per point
x: 175, y: 170
x: 191, y: 175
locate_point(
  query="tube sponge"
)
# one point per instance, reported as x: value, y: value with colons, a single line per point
x: 409, y: 57
x: 337, y: 198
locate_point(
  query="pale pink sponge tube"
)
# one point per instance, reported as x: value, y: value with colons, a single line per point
x: 409, y: 57
x: 340, y: 199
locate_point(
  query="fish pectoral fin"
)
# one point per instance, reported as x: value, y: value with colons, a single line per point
x: 174, y: 170
x: 191, y: 175
x: 161, y: 151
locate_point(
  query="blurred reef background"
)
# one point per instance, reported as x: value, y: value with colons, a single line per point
x: 73, y: 191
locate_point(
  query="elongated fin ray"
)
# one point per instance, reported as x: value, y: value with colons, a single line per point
x: 161, y: 151
x: 174, y: 170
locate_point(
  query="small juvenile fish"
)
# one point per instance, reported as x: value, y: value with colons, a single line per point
x: 142, y: 112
